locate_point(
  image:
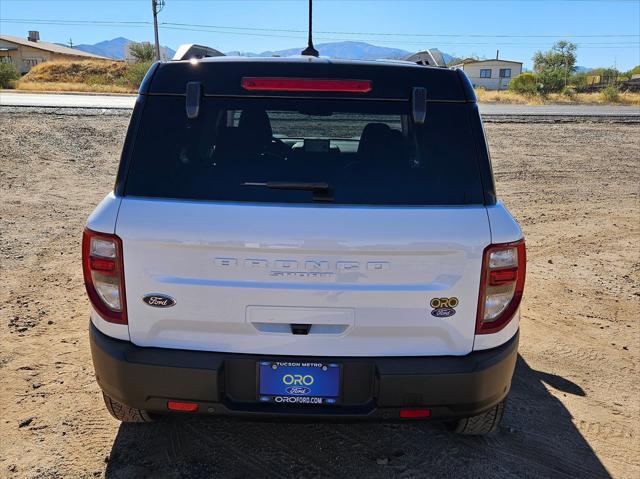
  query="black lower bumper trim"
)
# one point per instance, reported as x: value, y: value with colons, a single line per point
x: 372, y: 387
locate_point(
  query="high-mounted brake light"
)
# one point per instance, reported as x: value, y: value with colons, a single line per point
x: 501, y: 285
x: 306, y: 85
x: 104, y: 275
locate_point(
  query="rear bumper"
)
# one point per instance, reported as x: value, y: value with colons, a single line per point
x: 376, y: 388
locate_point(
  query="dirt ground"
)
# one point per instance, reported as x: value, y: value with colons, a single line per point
x: 575, y: 400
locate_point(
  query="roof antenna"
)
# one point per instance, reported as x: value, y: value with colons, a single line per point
x: 310, y: 51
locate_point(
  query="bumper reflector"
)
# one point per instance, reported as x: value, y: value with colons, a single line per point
x: 415, y: 413
x: 182, y: 406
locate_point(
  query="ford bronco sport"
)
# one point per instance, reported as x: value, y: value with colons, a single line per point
x: 303, y: 237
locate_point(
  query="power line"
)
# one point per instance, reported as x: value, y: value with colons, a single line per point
x: 608, y: 35
x: 260, y: 32
x: 424, y: 42
x: 286, y: 30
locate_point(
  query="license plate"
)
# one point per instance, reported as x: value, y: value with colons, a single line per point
x: 298, y: 383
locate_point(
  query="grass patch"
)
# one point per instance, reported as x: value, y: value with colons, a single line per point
x: 596, y: 98
x: 101, y: 76
x: 72, y: 87
x: 77, y: 71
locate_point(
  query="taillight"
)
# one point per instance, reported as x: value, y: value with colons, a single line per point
x: 104, y: 275
x: 501, y: 285
x: 306, y: 84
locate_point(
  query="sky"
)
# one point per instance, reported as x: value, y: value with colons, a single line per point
x: 607, y: 32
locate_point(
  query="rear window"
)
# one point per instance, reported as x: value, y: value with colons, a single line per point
x: 305, y: 151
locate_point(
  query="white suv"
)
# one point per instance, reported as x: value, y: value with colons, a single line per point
x: 301, y: 237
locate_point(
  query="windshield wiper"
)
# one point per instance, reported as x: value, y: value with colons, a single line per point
x: 291, y: 185
x: 321, y: 191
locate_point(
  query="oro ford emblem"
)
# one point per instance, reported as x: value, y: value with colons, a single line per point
x: 159, y: 300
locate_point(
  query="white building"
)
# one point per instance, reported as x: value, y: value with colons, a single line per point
x: 490, y: 74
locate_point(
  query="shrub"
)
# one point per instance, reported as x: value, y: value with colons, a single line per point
x: 579, y: 81
x: 8, y: 75
x: 525, y: 83
x: 569, y: 91
x: 135, y: 73
x: 610, y: 94
x: 551, y: 81
x: 142, y: 52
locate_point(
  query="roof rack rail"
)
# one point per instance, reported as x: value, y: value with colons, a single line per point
x: 431, y: 57
x: 190, y: 51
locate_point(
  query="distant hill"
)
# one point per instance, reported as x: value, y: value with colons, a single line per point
x: 345, y: 50
x: 108, y: 48
x: 111, y: 48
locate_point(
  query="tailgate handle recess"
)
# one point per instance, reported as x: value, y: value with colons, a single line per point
x: 302, y: 329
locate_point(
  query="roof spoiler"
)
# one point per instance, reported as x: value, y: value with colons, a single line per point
x: 431, y: 57
x: 190, y: 51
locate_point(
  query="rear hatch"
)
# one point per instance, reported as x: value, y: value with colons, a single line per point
x: 304, y: 225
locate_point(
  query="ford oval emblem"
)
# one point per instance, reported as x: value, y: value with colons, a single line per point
x: 298, y: 390
x: 159, y: 300
x: 443, y: 312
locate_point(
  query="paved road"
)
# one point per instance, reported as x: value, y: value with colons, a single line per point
x: 126, y: 102
x: 66, y: 100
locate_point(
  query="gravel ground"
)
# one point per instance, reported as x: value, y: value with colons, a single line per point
x: 575, y: 401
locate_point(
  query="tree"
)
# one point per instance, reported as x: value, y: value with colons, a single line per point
x: 634, y: 71
x: 142, y: 52
x: 556, y: 65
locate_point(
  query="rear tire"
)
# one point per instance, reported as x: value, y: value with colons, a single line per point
x: 484, y: 423
x: 125, y: 413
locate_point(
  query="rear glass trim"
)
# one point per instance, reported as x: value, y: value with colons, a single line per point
x: 285, y: 204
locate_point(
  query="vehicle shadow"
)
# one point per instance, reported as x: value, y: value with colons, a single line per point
x: 537, y: 439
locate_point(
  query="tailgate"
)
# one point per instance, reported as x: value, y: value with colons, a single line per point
x: 303, y: 280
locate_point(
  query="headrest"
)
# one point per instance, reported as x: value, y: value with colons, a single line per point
x: 374, y: 135
x: 255, y: 125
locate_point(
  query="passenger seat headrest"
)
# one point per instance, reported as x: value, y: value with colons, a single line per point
x: 255, y: 125
x: 374, y: 136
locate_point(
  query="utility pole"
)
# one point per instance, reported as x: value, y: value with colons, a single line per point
x: 156, y: 6
x: 70, y: 43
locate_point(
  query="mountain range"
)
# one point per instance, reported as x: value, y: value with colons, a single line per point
x: 347, y: 50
